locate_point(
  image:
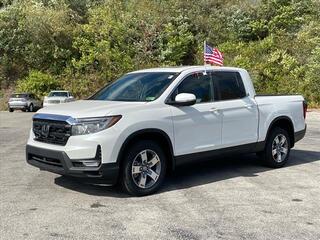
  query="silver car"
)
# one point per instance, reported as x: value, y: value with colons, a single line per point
x: 24, y: 101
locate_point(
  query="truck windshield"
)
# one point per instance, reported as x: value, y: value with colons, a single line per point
x: 58, y: 94
x: 136, y: 87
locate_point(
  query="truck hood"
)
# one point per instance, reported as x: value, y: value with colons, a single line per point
x: 90, y: 108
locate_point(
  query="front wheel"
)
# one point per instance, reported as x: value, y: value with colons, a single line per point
x: 277, y: 149
x: 10, y: 109
x: 144, y: 168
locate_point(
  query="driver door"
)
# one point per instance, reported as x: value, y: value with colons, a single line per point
x: 197, y: 128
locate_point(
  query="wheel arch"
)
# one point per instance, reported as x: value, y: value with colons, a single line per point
x: 283, y: 122
x: 153, y: 134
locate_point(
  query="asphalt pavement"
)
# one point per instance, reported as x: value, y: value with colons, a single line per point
x: 227, y: 198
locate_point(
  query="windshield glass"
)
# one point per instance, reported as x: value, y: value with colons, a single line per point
x: 141, y: 87
x: 58, y: 94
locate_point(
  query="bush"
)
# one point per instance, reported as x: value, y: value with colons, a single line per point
x: 38, y: 83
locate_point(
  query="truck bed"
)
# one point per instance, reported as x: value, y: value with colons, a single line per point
x: 271, y: 106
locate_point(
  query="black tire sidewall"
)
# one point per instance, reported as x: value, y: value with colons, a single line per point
x: 31, y: 108
x: 268, y: 150
x: 132, y: 152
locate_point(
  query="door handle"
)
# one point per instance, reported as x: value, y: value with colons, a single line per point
x: 249, y: 106
x: 214, y: 110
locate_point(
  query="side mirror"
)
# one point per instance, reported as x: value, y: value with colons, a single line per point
x: 185, y: 99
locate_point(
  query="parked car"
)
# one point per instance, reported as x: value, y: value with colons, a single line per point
x: 150, y: 121
x: 24, y: 101
x: 57, y: 97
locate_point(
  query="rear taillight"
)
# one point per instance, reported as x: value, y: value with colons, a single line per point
x: 305, y: 107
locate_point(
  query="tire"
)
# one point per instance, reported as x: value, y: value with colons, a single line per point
x: 277, y: 149
x: 10, y: 109
x: 31, y: 108
x: 143, y: 178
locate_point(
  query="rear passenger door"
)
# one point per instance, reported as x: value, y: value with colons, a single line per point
x: 239, y: 112
x: 35, y: 101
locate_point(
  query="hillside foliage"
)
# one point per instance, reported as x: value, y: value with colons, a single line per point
x: 81, y: 45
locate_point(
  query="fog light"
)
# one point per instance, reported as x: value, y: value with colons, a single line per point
x: 91, y: 163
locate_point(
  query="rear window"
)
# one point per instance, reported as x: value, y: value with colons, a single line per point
x: 19, y: 95
x: 229, y: 85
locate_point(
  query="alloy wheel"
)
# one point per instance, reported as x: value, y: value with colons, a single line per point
x: 146, y: 168
x: 280, y: 148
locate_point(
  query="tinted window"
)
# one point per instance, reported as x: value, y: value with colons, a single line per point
x: 197, y: 84
x: 19, y: 95
x: 229, y: 85
x: 145, y: 86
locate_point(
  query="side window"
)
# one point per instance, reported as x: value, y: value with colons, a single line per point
x: 197, y: 84
x: 31, y: 96
x: 229, y: 85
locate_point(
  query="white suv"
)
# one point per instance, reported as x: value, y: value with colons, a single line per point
x: 148, y: 122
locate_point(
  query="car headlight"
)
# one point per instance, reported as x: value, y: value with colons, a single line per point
x: 93, y: 125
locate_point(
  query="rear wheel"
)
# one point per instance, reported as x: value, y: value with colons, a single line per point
x: 31, y: 108
x: 144, y: 168
x: 10, y: 109
x: 277, y: 149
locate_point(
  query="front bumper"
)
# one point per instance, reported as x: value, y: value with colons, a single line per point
x: 59, y: 162
x: 50, y: 104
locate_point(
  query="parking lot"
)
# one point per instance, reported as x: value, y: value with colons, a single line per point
x: 228, y: 198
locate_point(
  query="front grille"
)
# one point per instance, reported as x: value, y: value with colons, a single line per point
x: 53, y: 101
x: 54, y: 132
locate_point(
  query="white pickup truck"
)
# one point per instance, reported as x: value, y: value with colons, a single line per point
x: 146, y: 123
x: 57, y: 97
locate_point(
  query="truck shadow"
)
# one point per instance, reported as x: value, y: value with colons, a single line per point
x: 197, y: 173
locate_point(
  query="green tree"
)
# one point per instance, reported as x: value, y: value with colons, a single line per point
x: 38, y: 83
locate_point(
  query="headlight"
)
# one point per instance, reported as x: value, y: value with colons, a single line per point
x: 93, y: 125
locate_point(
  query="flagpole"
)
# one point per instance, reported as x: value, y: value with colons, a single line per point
x: 204, y: 52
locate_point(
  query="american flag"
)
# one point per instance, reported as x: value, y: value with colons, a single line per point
x: 212, y: 55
